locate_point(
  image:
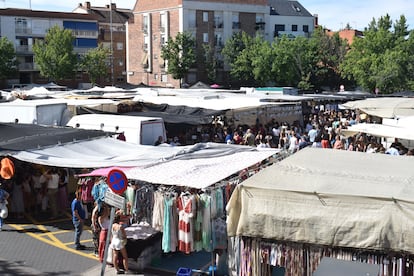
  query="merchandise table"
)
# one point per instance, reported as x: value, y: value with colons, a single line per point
x: 140, y: 237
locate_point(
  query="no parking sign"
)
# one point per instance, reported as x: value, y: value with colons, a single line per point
x: 117, y: 181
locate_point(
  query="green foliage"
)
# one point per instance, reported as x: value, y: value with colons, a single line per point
x: 238, y: 52
x: 331, y: 51
x: 55, y: 56
x: 8, y: 62
x: 180, y: 54
x: 94, y: 63
x: 383, y: 58
x: 210, y: 61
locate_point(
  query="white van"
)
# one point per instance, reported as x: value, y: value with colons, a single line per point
x: 136, y: 129
x: 51, y: 112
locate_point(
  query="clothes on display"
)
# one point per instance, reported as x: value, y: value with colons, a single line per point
x: 254, y: 256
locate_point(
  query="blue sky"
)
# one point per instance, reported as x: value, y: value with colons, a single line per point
x: 332, y: 14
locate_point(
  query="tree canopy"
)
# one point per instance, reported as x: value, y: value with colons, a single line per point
x: 8, y: 62
x: 94, y: 63
x: 54, y: 55
x: 180, y: 54
x: 382, y: 59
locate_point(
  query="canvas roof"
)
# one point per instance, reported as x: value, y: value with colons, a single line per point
x: 197, y: 166
x: 380, y: 130
x: 329, y: 197
x: 22, y: 137
x: 384, y: 107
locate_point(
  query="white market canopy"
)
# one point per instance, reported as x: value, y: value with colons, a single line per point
x: 196, y: 166
x: 329, y: 197
x: 384, y: 107
x: 380, y: 130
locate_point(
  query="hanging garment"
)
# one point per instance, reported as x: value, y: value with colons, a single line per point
x: 158, y: 211
x: 205, y: 206
x: 186, y: 209
x: 169, y: 238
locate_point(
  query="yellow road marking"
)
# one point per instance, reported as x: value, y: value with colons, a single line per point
x: 49, y: 237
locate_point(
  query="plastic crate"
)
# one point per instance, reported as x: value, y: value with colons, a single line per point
x: 183, y: 271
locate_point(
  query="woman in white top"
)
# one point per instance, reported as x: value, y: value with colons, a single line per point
x: 118, y: 243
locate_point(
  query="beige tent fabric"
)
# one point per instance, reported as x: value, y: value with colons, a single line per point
x: 329, y: 197
x: 380, y: 130
x: 384, y: 107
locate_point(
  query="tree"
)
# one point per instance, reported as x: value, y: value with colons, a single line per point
x: 55, y: 56
x: 210, y: 61
x: 331, y: 51
x: 8, y: 61
x: 295, y: 61
x: 383, y: 58
x: 180, y: 54
x: 238, y: 54
x: 94, y: 63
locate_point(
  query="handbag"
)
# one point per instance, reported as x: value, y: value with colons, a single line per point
x: 4, y: 211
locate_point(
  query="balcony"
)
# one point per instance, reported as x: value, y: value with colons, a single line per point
x: 260, y: 26
x: 27, y: 66
x: 24, y: 49
x: 23, y: 31
x: 236, y: 25
x: 145, y: 29
x: 218, y: 25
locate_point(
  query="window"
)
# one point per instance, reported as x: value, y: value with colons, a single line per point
x: 145, y: 23
x: 306, y: 28
x: 163, y: 22
x: 205, y: 16
x: 294, y: 28
x: 235, y: 21
x: 119, y: 46
x: 164, y: 78
x: 205, y: 37
x: 279, y: 28
x: 191, y: 19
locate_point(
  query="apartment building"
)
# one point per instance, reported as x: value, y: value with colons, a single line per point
x: 112, y: 34
x: 211, y: 22
x: 24, y: 27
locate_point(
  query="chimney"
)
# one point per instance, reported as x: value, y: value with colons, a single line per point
x: 113, y: 6
x: 315, y: 19
x: 88, y: 5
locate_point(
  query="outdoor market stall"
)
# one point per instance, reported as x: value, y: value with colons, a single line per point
x: 319, y: 202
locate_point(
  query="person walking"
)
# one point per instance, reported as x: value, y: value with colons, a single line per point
x: 96, y: 228
x: 51, y: 177
x: 3, y: 206
x: 103, y: 220
x: 78, y: 217
x: 117, y: 245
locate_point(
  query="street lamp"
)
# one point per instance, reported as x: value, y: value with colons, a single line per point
x: 112, y: 48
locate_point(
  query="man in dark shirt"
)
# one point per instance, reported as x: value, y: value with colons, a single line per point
x: 78, y: 217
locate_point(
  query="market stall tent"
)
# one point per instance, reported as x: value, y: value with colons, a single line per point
x: 331, y: 198
x: 384, y: 107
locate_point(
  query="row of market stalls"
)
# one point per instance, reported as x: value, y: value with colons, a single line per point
x: 321, y: 203
x: 282, y: 216
x: 195, y: 169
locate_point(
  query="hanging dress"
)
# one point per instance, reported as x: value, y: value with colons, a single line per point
x: 186, y: 210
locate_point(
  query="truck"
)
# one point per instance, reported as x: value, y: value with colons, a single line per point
x: 140, y: 130
x: 50, y: 112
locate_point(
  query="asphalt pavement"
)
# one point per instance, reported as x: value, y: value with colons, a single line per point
x: 37, y: 245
